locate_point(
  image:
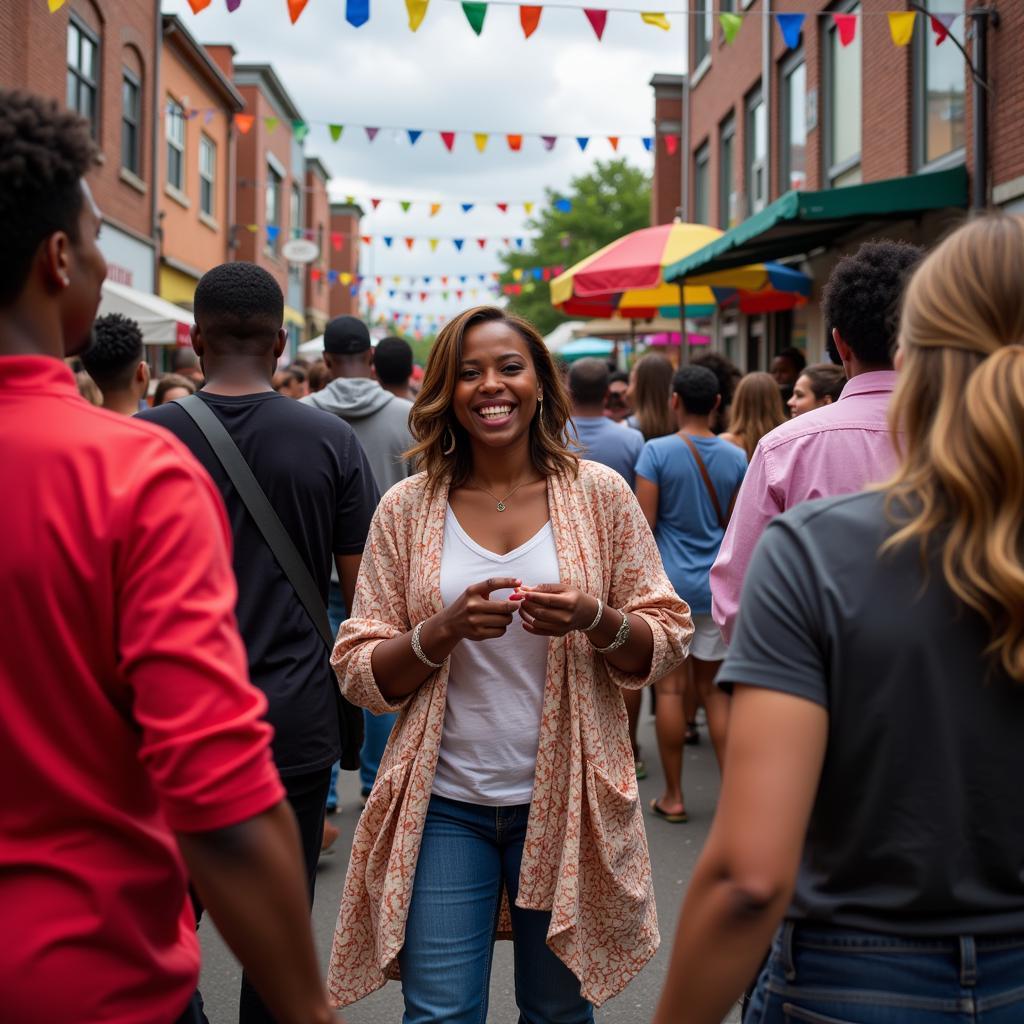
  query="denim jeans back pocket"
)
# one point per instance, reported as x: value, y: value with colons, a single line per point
x: 798, y: 1015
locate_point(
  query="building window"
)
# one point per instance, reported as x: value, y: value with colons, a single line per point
x: 131, y: 122
x: 702, y: 185
x: 703, y: 11
x: 756, y: 152
x: 207, y: 174
x: 295, y: 210
x: 272, y: 209
x: 175, y: 129
x: 726, y: 146
x: 793, y: 125
x: 83, y: 73
x: 939, y: 94
x: 843, y: 67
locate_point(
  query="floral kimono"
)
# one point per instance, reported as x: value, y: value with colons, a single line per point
x: 585, y: 858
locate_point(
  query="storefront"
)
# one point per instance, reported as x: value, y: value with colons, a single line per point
x: 129, y: 258
x: 164, y: 325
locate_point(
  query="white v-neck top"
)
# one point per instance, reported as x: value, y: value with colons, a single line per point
x: 495, y: 687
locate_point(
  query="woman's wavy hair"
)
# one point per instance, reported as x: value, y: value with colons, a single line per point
x: 653, y: 392
x: 756, y: 409
x: 958, y: 418
x: 434, y: 426
x: 825, y: 379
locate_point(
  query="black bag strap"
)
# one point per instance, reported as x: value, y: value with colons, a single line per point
x: 267, y: 521
x: 723, y: 520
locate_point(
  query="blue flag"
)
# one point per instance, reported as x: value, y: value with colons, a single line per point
x: 563, y: 205
x: 790, y: 26
x: 466, y: 207
x: 459, y: 242
x: 413, y: 136
x: 272, y: 232
x: 648, y: 142
x: 388, y: 239
x: 357, y: 12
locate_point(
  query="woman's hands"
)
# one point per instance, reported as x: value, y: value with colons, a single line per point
x: 554, y: 609
x: 474, y: 616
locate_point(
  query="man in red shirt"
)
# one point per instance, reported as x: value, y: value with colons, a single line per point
x: 134, y: 749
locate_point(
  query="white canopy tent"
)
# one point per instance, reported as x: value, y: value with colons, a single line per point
x: 162, y: 322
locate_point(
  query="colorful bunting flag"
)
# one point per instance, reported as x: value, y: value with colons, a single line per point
x: 301, y: 130
x: 528, y: 208
x: 846, y: 26
x: 458, y: 242
x: 233, y: 5
x: 417, y: 12
x: 272, y: 232
x: 335, y: 130
x: 515, y: 142
x: 549, y: 141
x: 252, y: 228
x: 901, y: 26
x: 791, y: 25
x: 405, y: 204
x: 414, y: 136
x: 208, y: 117
x: 357, y: 12
x: 336, y: 241
x: 243, y: 122
x: 345, y: 277
x: 671, y: 144
x: 613, y: 141
x: 295, y: 9
x: 475, y: 14
x: 598, y: 20
x: 941, y: 24
x: 388, y: 239
x: 655, y: 18
x: 196, y: 5
x: 529, y: 18
x: 409, y: 243
x: 466, y: 207
x: 582, y: 141
x: 480, y: 138
x: 563, y: 205
x: 435, y: 209
x: 517, y: 274
x: 502, y: 206
x: 374, y: 202
x: 366, y: 240
x: 648, y: 142
x: 482, y: 242
x: 731, y: 25
x: 448, y: 138
x: 371, y: 133
x: 433, y: 244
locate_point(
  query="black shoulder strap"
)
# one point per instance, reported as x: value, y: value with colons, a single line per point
x: 267, y: 520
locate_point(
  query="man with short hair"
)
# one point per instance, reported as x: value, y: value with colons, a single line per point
x: 786, y: 369
x: 839, y: 448
x: 116, y: 360
x: 134, y: 748
x: 600, y: 439
x: 314, y: 473
x: 392, y: 364
x: 616, y: 402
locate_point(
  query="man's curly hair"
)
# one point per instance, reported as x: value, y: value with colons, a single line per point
x: 862, y: 299
x: 115, y: 352
x: 44, y: 153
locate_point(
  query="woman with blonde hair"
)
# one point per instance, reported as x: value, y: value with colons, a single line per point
x: 650, y: 395
x: 870, y: 814
x: 508, y: 593
x: 756, y: 409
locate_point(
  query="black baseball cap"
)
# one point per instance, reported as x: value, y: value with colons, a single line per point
x: 346, y: 336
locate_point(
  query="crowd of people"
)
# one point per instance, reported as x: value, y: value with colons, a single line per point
x: 230, y: 585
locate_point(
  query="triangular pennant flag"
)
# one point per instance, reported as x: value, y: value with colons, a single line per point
x: 648, y: 142
x: 414, y: 135
x: 563, y: 205
x: 581, y: 141
x: 433, y: 244
x: 529, y: 18
x: 196, y: 5
x: 671, y: 144
x: 301, y: 130
x: 655, y: 18
x: 731, y: 24
x: 505, y: 242
x: 790, y: 25
x: 435, y: 209
x: 480, y: 138
x: 351, y: 200
x: 502, y: 206
x: 366, y: 240
x: 444, y: 296
x: 515, y: 142
x: 597, y: 20
x: 613, y: 141
x: 458, y: 294
x: 444, y: 279
x: 901, y: 26
x: 448, y: 138
x: 519, y: 243
x: 941, y: 24
x: 417, y: 12
x: 482, y: 242
x: 336, y: 241
x: 846, y: 26
x: 392, y: 293
x: 458, y: 243
x: 517, y: 274
x: 466, y: 207
x: 405, y: 204
x: 549, y: 141
x: 538, y: 273
x: 314, y: 274
x: 252, y: 228
x: 295, y: 8
x: 272, y: 232
x: 243, y: 122
x: 528, y: 208
x: 332, y: 276
x: 357, y: 12
x: 335, y: 130
x: 346, y: 278
x: 388, y: 239
x: 409, y: 243
x: 423, y: 296
x: 426, y: 280
x: 371, y: 133
x: 475, y: 14
x: 233, y: 5
x: 374, y: 202
x: 207, y: 116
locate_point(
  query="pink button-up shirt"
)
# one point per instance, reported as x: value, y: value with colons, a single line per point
x: 838, y: 449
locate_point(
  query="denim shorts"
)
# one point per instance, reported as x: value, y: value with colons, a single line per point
x: 818, y: 975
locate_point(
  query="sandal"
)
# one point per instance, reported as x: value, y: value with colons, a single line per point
x: 678, y: 818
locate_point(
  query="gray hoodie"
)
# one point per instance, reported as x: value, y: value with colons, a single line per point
x: 379, y: 419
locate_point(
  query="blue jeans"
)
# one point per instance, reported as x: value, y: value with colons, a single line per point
x: 830, y: 976
x: 469, y: 855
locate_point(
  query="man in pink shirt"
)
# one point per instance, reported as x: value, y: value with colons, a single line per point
x: 839, y: 448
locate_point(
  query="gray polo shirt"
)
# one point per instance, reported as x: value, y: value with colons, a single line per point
x: 918, y: 823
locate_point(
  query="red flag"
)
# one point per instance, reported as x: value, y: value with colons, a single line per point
x: 597, y: 21
x: 409, y: 242
x: 243, y: 122
x: 374, y: 202
x: 444, y: 280
x: 295, y: 8
x: 482, y: 242
x: 314, y: 274
x: 448, y: 138
x: 529, y: 18
x: 423, y: 296
x: 671, y: 144
x: 196, y: 5
x: 846, y: 26
x: 336, y: 241
x: 503, y: 207
x: 941, y: 24
x: 366, y: 239
x: 614, y: 140
x: 380, y: 281
x: 515, y: 143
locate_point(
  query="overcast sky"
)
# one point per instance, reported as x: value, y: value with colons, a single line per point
x: 561, y: 81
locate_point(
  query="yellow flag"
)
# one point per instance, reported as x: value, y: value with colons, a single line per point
x: 433, y: 244
x: 56, y: 5
x: 252, y: 228
x: 528, y: 207
x: 901, y: 26
x: 417, y: 12
x: 480, y: 138
x: 435, y: 209
x: 517, y: 275
x: 655, y: 18
x: 345, y: 278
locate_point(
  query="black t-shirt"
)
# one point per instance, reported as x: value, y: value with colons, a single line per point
x: 918, y: 823
x: 315, y: 475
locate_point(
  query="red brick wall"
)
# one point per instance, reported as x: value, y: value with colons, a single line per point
x: 318, y: 220
x: 346, y: 220
x: 666, y: 184
x: 1006, y: 104
x: 33, y: 56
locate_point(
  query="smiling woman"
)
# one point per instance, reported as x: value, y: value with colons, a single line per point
x: 507, y: 593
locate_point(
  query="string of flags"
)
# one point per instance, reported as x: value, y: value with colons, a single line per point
x: 273, y: 233
x: 357, y: 14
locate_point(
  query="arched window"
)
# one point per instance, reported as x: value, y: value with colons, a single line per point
x: 132, y: 92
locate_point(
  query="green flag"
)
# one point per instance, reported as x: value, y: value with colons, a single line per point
x: 301, y: 130
x: 475, y: 14
x: 336, y: 130
x: 731, y: 24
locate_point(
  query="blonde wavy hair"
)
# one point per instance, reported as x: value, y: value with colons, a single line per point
x: 434, y: 426
x: 756, y: 409
x: 959, y: 406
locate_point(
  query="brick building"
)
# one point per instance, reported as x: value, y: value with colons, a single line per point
x: 875, y: 137
x: 100, y: 57
x: 196, y: 195
x: 318, y: 230
x: 345, y: 219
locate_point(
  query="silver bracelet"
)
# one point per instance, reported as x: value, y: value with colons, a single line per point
x: 597, y: 617
x: 417, y: 648
x: 621, y: 637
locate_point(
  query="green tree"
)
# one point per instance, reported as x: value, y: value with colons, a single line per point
x: 610, y: 201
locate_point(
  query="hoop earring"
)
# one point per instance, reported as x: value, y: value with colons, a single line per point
x: 451, y: 447
x: 540, y: 406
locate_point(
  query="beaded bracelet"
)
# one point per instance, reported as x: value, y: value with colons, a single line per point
x: 621, y: 637
x: 417, y: 648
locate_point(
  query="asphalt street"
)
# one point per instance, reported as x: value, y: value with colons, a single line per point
x: 674, y: 851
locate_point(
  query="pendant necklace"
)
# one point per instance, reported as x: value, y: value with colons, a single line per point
x: 501, y: 506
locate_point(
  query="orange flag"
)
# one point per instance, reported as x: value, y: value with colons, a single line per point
x: 295, y: 8
x: 614, y: 142
x: 515, y: 142
x: 243, y: 122
x: 529, y: 18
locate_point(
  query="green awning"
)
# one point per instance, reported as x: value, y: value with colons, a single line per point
x: 799, y: 222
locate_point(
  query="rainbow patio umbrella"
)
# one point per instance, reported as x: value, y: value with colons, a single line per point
x: 626, y: 279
